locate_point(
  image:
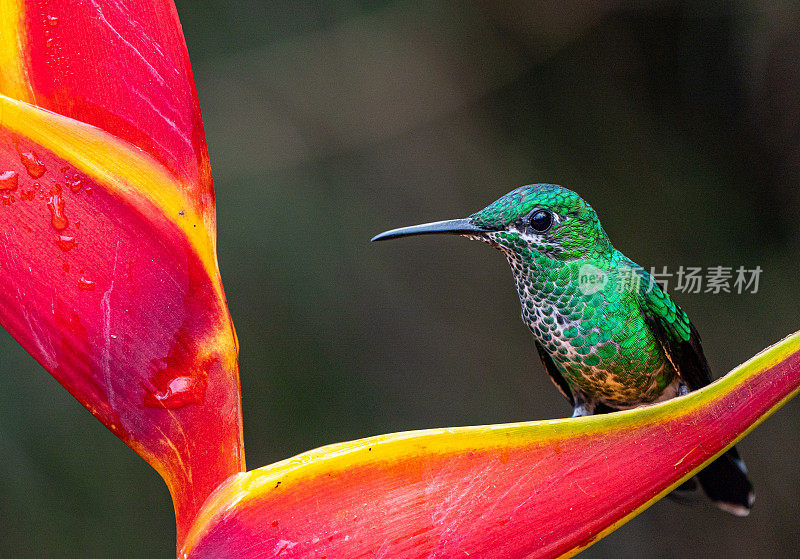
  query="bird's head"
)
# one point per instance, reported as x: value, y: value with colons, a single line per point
x: 534, y: 220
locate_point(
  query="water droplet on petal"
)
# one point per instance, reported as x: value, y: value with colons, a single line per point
x: 32, y: 164
x: 56, y: 206
x: 9, y: 180
x: 65, y: 242
x: 52, y: 21
x: 179, y: 378
x: 75, y: 182
x: 85, y: 284
x: 178, y: 393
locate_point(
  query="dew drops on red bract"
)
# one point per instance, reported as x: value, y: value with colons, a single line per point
x: 56, y: 206
x: 32, y: 163
x: 85, y: 284
x: 9, y: 180
x: 75, y: 182
x: 65, y: 242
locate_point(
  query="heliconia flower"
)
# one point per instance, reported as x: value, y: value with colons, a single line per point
x: 108, y: 263
x: 108, y: 259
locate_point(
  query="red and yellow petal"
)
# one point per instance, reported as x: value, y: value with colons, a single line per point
x: 108, y: 257
x: 539, y: 489
x: 120, y: 66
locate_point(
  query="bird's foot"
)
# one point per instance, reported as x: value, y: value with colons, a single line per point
x: 582, y: 409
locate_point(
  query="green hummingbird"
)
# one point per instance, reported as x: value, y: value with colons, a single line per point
x: 608, y: 336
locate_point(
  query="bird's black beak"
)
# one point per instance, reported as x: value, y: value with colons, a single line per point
x: 451, y: 226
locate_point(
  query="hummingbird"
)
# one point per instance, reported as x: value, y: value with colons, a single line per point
x: 608, y: 336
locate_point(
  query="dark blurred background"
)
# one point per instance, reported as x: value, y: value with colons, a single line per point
x: 328, y: 122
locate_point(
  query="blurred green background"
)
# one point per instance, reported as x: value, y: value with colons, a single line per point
x: 328, y: 122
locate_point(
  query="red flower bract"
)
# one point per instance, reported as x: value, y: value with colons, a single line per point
x: 538, y: 489
x: 108, y: 255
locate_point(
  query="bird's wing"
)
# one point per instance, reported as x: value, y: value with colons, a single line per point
x: 555, y: 374
x: 674, y: 331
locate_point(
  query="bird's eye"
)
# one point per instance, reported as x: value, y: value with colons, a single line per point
x: 541, y: 221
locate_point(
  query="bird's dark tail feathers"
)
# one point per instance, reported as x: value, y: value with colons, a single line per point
x: 725, y: 482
